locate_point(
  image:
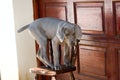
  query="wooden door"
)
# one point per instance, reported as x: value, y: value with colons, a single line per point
x: 99, y: 50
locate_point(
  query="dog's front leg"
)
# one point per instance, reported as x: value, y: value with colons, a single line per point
x: 67, y: 56
x: 56, y: 53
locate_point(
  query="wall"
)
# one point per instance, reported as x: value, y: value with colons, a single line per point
x: 23, y: 12
x: 8, y: 53
x: 17, y: 51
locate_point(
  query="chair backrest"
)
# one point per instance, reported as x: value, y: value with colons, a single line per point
x: 75, y: 52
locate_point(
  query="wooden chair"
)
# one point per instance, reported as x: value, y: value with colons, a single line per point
x: 42, y: 70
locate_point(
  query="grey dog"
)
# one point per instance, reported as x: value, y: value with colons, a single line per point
x: 60, y: 32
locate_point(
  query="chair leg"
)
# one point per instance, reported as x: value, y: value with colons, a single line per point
x: 36, y: 77
x: 53, y: 78
x: 72, y: 76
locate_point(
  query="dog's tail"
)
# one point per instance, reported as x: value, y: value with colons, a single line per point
x: 23, y: 28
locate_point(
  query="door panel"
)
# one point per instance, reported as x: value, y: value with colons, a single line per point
x: 117, y: 16
x: 58, y: 8
x: 99, y: 48
x: 118, y: 50
x: 92, y: 60
x: 92, y: 14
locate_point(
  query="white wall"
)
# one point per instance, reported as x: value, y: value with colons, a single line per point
x: 17, y: 51
x: 8, y: 53
x: 23, y: 12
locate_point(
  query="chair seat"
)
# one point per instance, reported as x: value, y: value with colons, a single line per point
x: 49, y: 72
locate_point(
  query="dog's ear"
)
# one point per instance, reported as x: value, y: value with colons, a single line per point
x: 61, y: 31
x: 78, y: 32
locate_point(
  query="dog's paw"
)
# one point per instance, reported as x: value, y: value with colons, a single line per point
x: 57, y: 68
x: 68, y: 64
